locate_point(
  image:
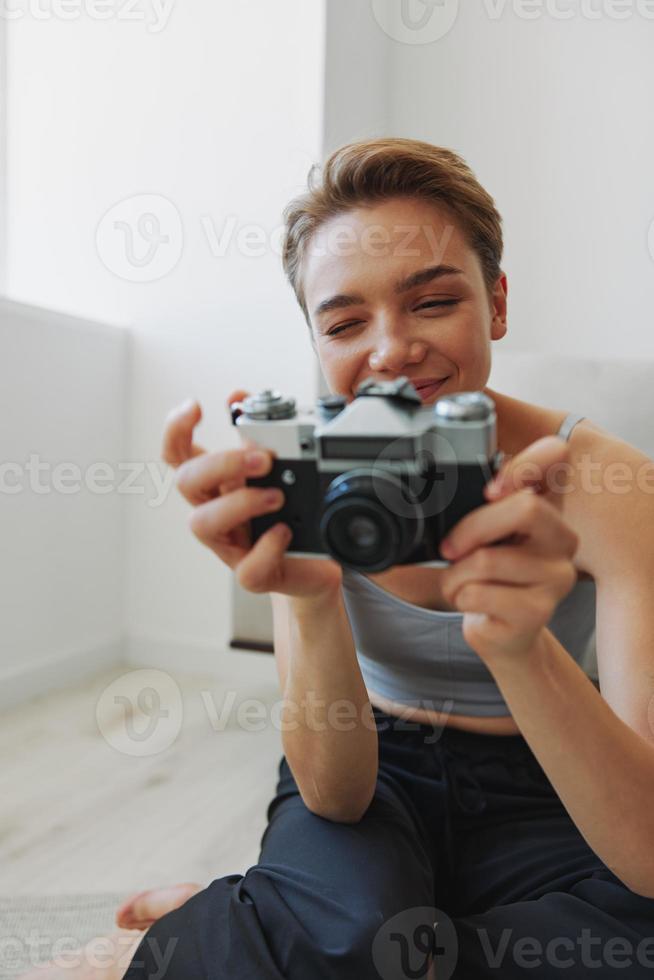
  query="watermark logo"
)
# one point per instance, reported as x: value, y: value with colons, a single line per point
x: 409, y: 494
x: 140, y: 239
x: 416, y: 21
x: 140, y: 713
x: 416, y: 943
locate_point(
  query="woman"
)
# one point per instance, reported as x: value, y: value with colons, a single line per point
x: 488, y: 810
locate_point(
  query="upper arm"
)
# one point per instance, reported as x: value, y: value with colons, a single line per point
x: 625, y: 646
x: 616, y: 528
x: 281, y: 635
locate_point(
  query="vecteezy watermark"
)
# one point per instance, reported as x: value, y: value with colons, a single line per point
x: 141, y: 712
x: 340, y: 239
x: 155, y: 14
x: 571, y: 9
x: 562, y: 952
x: 140, y: 238
x: 318, y: 715
x: 588, y: 475
x: 416, y: 21
x: 431, y: 490
x: 427, y: 21
x: 42, y: 477
x: 426, y: 494
x: 416, y: 943
x: 101, y: 952
x: 405, y: 947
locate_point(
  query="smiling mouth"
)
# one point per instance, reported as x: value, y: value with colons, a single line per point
x: 426, y: 391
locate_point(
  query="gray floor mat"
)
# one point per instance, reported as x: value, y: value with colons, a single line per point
x: 30, y: 925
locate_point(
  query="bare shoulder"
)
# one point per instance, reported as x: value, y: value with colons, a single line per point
x: 605, y: 490
x: 520, y: 423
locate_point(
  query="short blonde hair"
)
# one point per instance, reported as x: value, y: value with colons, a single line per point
x: 371, y: 170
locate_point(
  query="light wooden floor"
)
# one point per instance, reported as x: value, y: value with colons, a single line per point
x: 78, y: 814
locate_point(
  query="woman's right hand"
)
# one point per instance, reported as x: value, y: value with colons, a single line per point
x: 214, y: 483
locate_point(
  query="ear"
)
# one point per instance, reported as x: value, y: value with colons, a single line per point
x: 498, y: 306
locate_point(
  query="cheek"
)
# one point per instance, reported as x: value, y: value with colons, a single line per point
x: 336, y: 365
x: 342, y: 364
x: 470, y: 334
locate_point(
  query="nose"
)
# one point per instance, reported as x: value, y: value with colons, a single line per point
x: 394, y: 348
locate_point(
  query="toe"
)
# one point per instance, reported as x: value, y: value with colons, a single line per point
x: 141, y: 910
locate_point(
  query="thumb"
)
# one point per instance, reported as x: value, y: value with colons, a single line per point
x: 237, y: 396
x: 528, y: 468
x: 178, y: 444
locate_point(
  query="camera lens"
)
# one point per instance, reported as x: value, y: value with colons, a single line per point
x: 358, y: 530
x: 362, y: 532
x: 357, y: 536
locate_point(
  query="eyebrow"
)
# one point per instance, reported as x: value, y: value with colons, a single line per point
x: 420, y: 278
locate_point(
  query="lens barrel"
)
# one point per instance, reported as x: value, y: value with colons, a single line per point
x: 360, y: 526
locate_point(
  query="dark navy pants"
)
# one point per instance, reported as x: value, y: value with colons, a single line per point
x: 465, y: 865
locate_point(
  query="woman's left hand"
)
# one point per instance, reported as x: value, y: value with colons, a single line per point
x: 509, y: 591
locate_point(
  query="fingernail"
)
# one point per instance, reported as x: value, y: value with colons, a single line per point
x: 284, y: 532
x: 255, y: 459
x: 187, y: 405
x: 273, y: 498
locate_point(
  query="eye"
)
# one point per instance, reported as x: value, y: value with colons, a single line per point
x: 432, y: 303
x: 343, y: 326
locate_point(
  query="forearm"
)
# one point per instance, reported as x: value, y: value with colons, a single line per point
x: 329, y: 736
x: 602, y: 770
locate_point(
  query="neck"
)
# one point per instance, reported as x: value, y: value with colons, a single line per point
x: 506, y: 420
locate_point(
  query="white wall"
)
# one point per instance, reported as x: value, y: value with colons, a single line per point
x: 63, y: 398
x: 356, y: 98
x: 3, y: 169
x: 220, y: 113
x: 555, y: 118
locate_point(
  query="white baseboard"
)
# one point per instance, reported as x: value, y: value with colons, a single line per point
x: 246, y: 667
x: 58, y: 671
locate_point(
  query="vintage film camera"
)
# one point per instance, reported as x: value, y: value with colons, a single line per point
x: 376, y: 482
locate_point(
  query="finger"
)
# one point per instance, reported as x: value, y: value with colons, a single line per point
x: 522, y: 513
x: 528, y: 608
x: 220, y: 523
x: 178, y: 445
x: 211, y: 474
x: 508, y: 566
x: 237, y: 396
x: 262, y: 568
x: 528, y: 468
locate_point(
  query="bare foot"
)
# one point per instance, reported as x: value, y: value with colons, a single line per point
x: 140, y: 911
x: 108, y: 957
x: 103, y: 958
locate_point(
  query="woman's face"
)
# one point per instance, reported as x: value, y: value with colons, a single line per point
x: 394, y: 289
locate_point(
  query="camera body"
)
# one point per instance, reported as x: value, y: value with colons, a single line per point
x: 379, y: 481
